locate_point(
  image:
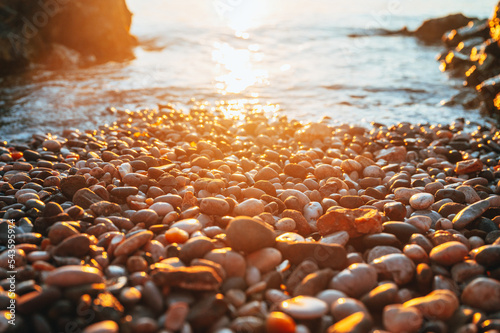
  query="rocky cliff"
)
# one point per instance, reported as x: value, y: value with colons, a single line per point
x: 58, y: 33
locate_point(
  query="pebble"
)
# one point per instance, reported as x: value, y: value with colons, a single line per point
x: 133, y: 243
x: 216, y: 206
x: 356, y: 280
x: 249, y: 207
x: 264, y: 259
x: 482, y: 293
x: 356, y: 222
x: 421, y: 201
x: 399, y: 318
x: 72, y: 275
x: 396, y: 267
x: 439, y: 304
x: 449, y: 253
x: 470, y: 213
x: 304, y: 307
x: 248, y: 234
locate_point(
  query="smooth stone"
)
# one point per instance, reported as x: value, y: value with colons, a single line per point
x: 314, y: 282
x: 402, y: 230
x: 398, y: 318
x: 214, y: 206
x: 264, y: 259
x: 161, y: 208
x: 266, y: 173
x: 470, y: 213
x: 124, y: 191
x: 279, y: 322
x: 449, y: 253
x: 249, y: 235
x: 421, y: 201
x: 344, y: 307
x: 295, y: 170
x: 356, y: 280
x: 466, y: 270
x: 330, y: 296
x: 482, y: 293
x: 188, y: 225
x: 195, y: 248
x: 380, y: 296
x: 487, y: 255
x: 302, y: 270
x: 396, y: 267
x: 106, y: 326
x: 358, y: 322
x: 133, y: 243
x: 70, y: 185
x: 303, y: 199
x: 416, y: 253
x: 471, y: 195
x: 380, y: 251
x: 286, y: 224
x: 73, y: 275
x: 250, y: 207
x: 312, y: 211
x: 421, y: 222
x: 74, y: 246
x: 304, y: 307
x: 232, y: 262
x: 439, y: 304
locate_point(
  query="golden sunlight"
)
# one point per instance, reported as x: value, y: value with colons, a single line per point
x: 236, y: 68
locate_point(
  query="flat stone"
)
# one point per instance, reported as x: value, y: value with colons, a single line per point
x: 71, y: 184
x: 468, y: 166
x: 303, y: 199
x: 304, y: 307
x: 325, y: 255
x: 73, y: 275
x: 191, y: 278
x: 195, y: 248
x: 392, y: 155
x: 266, y: 173
x: 470, y: 213
x: 124, y: 191
x: 314, y: 283
x: 380, y: 296
x: 249, y: 235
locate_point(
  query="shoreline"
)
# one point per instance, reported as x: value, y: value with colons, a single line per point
x: 198, y: 222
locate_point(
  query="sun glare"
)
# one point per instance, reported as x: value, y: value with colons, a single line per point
x: 235, y: 68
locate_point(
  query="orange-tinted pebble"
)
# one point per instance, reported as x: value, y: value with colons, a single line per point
x: 279, y: 322
x: 176, y: 235
x: 16, y: 155
x: 150, y: 201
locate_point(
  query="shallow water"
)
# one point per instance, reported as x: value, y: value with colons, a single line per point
x: 290, y: 57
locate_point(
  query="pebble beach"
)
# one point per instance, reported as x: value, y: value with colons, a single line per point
x: 167, y: 221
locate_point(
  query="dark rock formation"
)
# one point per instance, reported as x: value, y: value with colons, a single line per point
x: 432, y: 30
x: 474, y: 53
x: 62, y: 32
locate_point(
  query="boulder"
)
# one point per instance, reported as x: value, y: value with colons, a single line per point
x: 432, y: 30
